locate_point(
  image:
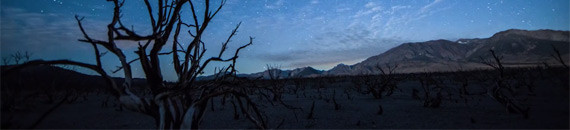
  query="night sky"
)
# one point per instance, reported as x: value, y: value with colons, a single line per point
x: 289, y: 33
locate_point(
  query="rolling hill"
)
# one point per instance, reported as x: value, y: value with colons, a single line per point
x: 517, y: 47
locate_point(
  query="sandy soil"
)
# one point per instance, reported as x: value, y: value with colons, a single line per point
x: 549, y: 108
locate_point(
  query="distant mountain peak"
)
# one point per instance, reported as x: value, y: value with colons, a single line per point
x: 305, y: 72
x: 309, y: 67
x: 516, y: 45
x: 543, y: 34
x: 437, y: 41
x: 340, y: 69
x: 341, y: 65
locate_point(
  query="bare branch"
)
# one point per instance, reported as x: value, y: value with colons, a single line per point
x: 225, y: 44
x: 558, y: 57
x: 153, y: 22
x: 166, y: 96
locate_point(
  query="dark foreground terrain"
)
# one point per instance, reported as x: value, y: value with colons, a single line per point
x: 537, y: 97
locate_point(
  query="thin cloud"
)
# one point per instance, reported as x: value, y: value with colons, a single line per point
x: 332, y: 48
x: 343, y: 9
x: 370, y: 5
x: 398, y: 7
x: 372, y: 31
x: 396, y: 23
x: 275, y: 5
x: 370, y: 8
x: 35, y: 30
x: 314, y: 1
x: 429, y: 6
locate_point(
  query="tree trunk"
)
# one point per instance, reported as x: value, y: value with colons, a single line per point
x: 172, y: 115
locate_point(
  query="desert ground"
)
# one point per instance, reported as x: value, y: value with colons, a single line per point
x: 339, y: 102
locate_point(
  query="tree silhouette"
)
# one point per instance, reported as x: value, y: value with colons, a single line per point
x: 173, y: 105
x: 503, y: 90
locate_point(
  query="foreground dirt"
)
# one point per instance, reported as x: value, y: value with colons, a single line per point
x: 548, y: 109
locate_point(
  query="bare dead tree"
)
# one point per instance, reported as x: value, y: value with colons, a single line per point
x: 277, y: 85
x: 388, y: 78
x: 175, y: 105
x: 432, y: 90
x: 558, y: 57
x: 462, y: 79
x: 312, y: 111
x: 359, y: 83
x: 561, y: 74
x: 276, y: 88
x: 5, y: 60
x: 27, y: 55
x: 337, y: 106
x: 347, y: 92
x: 11, y: 91
x: 498, y: 92
x: 383, y: 84
x: 17, y: 57
x: 298, y: 82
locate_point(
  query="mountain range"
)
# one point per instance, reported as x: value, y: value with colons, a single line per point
x: 516, y: 47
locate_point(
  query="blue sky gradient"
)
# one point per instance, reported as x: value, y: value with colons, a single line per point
x: 290, y: 33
